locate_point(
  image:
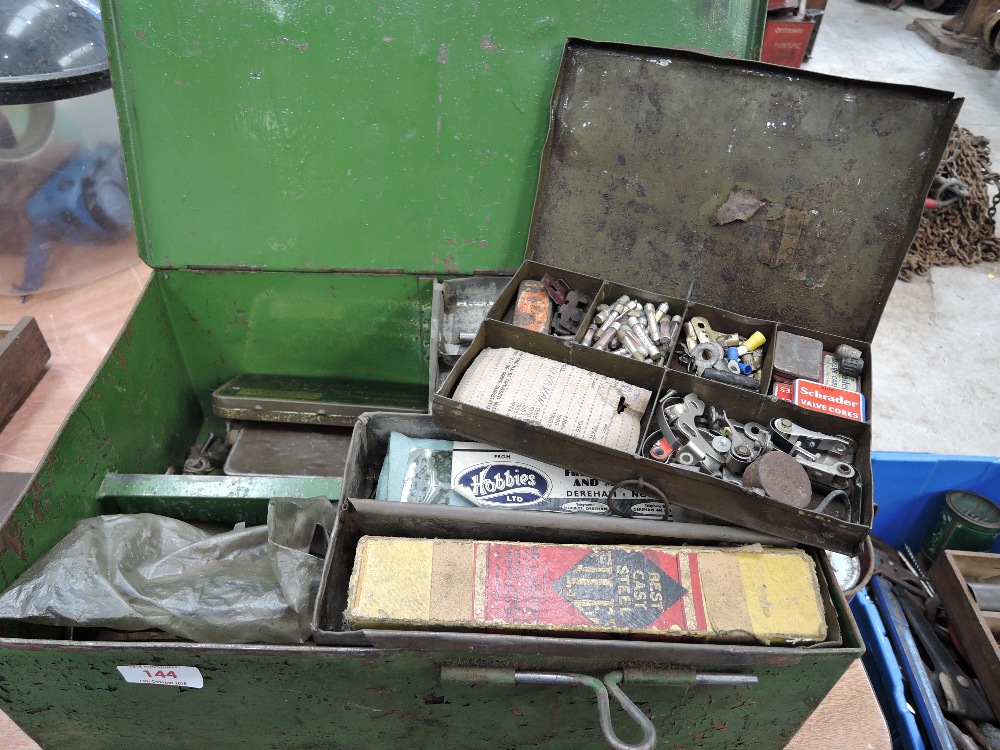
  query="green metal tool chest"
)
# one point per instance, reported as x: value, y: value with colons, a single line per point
x: 300, y: 172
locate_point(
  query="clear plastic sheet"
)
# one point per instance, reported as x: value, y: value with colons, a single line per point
x: 134, y: 572
x: 418, y: 470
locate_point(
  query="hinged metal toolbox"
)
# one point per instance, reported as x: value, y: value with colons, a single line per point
x: 645, y: 147
x: 300, y: 173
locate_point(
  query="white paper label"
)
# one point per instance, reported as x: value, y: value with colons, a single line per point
x: 146, y: 674
x: 494, y: 478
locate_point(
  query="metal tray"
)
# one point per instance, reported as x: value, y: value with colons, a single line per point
x: 646, y: 149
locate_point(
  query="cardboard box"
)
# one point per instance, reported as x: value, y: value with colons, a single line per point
x: 756, y: 595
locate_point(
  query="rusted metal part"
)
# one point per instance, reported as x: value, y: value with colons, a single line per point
x: 781, y: 477
x: 533, y: 309
x: 557, y: 289
x: 798, y: 356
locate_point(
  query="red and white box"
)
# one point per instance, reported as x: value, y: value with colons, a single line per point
x: 829, y: 400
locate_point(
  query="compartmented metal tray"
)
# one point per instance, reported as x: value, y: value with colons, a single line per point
x: 682, y: 486
x: 746, y: 193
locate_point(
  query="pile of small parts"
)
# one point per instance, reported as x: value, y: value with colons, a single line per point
x: 724, y: 357
x: 783, y: 460
x: 631, y: 328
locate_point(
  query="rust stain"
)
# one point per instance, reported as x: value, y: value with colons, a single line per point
x: 121, y: 360
x: 804, y: 234
x: 239, y: 318
x: 140, y: 35
x: 740, y: 206
x: 12, y: 543
x: 447, y: 261
x: 488, y: 44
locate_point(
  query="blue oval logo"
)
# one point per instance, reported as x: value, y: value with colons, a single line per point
x: 503, y: 484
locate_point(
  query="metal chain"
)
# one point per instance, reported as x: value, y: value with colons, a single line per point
x: 964, y: 232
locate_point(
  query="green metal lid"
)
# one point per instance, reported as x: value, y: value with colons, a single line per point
x: 372, y: 136
x: 774, y: 192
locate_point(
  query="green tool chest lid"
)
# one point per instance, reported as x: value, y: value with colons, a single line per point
x: 371, y: 136
x: 768, y: 191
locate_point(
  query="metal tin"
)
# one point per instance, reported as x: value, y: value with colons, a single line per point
x: 808, y: 668
x: 264, y: 450
x: 310, y: 401
x: 696, y: 491
x: 967, y: 521
x: 839, y: 167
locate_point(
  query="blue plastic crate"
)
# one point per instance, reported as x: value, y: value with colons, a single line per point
x: 909, y: 491
x: 910, y: 488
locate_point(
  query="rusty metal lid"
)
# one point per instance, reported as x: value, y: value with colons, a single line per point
x: 774, y: 192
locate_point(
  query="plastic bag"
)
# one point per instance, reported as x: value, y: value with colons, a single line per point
x: 418, y: 470
x: 140, y: 571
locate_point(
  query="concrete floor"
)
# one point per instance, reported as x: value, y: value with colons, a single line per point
x: 937, y: 383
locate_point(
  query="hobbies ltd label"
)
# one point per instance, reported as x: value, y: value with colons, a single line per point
x: 493, y: 478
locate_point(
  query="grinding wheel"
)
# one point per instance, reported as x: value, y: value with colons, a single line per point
x: 781, y: 477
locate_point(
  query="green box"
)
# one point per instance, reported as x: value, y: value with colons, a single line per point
x: 300, y: 173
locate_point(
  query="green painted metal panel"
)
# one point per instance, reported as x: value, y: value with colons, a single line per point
x: 362, y: 329
x: 298, y: 134
x: 137, y: 413
x: 208, y: 499
x: 313, y: 698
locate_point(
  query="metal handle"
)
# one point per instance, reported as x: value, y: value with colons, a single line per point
x: 624, y: 509
x: 603, y: 704
x: 610, y: 684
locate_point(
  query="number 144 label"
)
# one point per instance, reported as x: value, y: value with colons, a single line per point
x: 146, y: 674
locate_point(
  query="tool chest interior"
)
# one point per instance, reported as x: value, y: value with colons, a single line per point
x: 302, y: 180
